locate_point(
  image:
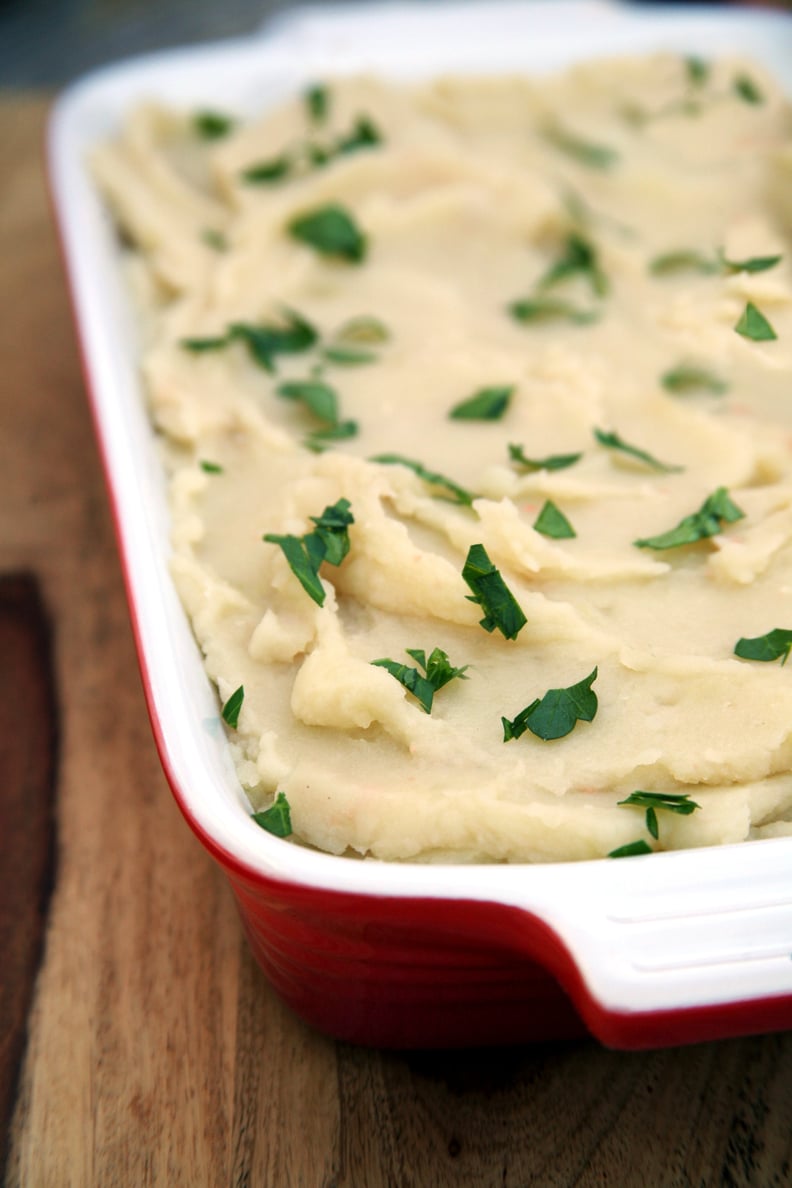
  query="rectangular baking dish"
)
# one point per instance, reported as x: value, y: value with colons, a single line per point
x: 650, y: 951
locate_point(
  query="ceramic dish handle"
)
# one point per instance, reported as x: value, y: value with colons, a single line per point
x: 652, y: 936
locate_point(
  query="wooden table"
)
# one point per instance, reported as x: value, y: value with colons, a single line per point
x: 156, y: 1053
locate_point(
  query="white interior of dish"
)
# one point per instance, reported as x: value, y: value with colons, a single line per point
x: 666, y: 931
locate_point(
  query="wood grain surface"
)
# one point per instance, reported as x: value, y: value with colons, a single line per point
x: 156, y: 1052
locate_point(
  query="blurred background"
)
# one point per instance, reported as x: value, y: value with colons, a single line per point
x: 46, y: 43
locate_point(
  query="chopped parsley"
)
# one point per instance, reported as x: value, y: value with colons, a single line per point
x: 212, y: 125
x: 274, y: 169
x: 345, y: 356
x: 775, y: 645
x: 432, y: 477
x: 553, y: 523
x: 631, y: 850
x: 329, y: 542
x: 688, y: 377
x: 488, y: 404
x: 500, y: 607
x: 317, y: 103
x: 557, y: 713
x: 683, y: 260
x: 215, y: 240
x: 551, y: 309
x: 319, y: 439
x: 754, y: 325
x: 309, y: 155
x: 210, y: 467
x: 578, y: 259
x: 716, y: 510
x: 437, y: 671
x: 363, y: 331
x: 585, y: 152
x: 277, y: 818
x: 331, y: 231
x: 752, y: 264
x: 551, y: 462
x: 319, y: 398
x: 231, y: 708
x: 697, y: 70
x: 672, y: 802
x: 264, y: 341
x: 747, y: 90
x: 612, y: 441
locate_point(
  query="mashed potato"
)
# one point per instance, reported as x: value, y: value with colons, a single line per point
x: 489, y: 380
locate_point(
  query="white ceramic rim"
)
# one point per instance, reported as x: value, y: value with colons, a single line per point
x: 666, y: 932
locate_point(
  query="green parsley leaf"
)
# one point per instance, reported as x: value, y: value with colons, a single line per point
x: 683, y: 260
x: 557, y: 713
x: 331, y: 231
x: 746, y: 88
x: 212, y: 125
x: 716, y: 510
x: 697, y: 69
x: 689, y: 378
x: 317, y: 103
x: 632, y: 850
x: 752, y: 264
x: 231, y: 708
x: 579, y: 258
x: 437, y: 673
x: 500, y: 607
x: 585, y: 152
x: 318, y: 398
x: 775, y: 645
x: 215, y: 240
x: 754, y: 325
x: 551, y: 462
x: 199, y: 345
x: 348, y: 356
x: 328, y: 542
x: 458, y: 494
x: 210, y: 467
x: 277, y: 818
x: 551, y: 309
x: 265, y: 342
x: 672, y: 802
x: 488, y: 404
x: 274, y: 169
x: 553, y: 523
x: 612, y: 441
x: 362, y: 331
x: 364, y: 135
x: 319, y: 439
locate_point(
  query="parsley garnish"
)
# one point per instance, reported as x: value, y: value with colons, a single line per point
x: 210, y: 467
x: 319, y: 439
x: 585, y: 152
x: 488, y: 404
x: 697, y: 69
x: 212, y: 125
x: 317, y: 102
x: 556, y: 714
x: 775, y: 645
x: 579, y: 258
x: 754, y: 325
x: 551, y: 462
x: 274, y: 169
x: 458, y: 494
x: 683, y: 260
x: 747, y: 90
x: 717, y: 510
x: 231, y: 708
x: 689, y: 378
x: 632, y: 850
x: 215, y: 240
x: 277, y: 818
x: 329, y: 542
x: 437, y: 672
x: 331, y: 231
x: 500, y: 607
x: 264, y: 341
x: 363, y: 331
x: 549, y: 309
x: 553, y: 523
x: 672, y: 802
x: 612, y: 441
x: 752, y: 264
x: 347, y: 356
x: 318, y: 398
x: 364, y: 134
